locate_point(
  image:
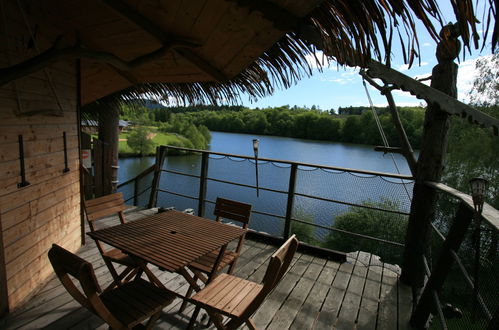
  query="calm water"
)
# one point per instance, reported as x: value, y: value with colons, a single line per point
x: 337, y: 185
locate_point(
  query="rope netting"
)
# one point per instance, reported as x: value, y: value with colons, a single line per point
x: 367, y: 204
x: 472, y: 312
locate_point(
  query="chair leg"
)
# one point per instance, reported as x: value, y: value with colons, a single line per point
x: 194, y: 317
x: 232, y: 267
x: 152, y: 320
x: 250, y: 324
x: 184, y: 303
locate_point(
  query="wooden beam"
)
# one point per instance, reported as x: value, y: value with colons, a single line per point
x: 56, y: 53
x: 162, y: 36
x: 406, y: 149
x: 431, y: 95
x: 443, y: 266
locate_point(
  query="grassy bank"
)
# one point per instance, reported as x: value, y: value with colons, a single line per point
x: 158, y: 138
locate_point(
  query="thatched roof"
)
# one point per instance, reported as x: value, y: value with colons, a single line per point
x: 213, y: 50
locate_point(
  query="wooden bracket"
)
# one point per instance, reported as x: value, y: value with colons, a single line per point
x: 431, y: 95
x: 57, y: 53
x: 157, y: 32
x: 66, y: 168
x: 23, y: 182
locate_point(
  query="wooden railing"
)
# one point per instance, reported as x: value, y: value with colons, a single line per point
x: 135, y: 181
x: 429, y: 301
x: 291, y: 192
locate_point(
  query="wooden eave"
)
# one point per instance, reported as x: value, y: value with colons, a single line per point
x: 208, y: 41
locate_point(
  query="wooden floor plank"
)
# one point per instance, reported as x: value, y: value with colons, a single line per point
x: 284, y: 317
x: 309, y: 311
x: 312, y: 295
x: 388, y: 311
x: 332, y: 303
x: 274, y: 301
x: 353, y: 296
x: 366, y: 319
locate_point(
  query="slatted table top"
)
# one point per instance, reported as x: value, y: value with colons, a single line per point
x: 170, y: 240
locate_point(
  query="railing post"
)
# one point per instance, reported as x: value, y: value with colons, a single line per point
x: 437, y: 278
x: 289, y: 205
x: 202, y: 183
x: 135, y: 191
x: 158, y: 165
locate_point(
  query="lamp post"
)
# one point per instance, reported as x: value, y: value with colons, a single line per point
x: 478, y: 189
x: 256, y: 144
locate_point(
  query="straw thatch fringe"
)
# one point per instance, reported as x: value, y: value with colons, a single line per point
x: 350, y: 31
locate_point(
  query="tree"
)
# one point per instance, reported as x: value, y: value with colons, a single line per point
x: 485, y: 91
x: 375, y: 223
x: 138, y: 140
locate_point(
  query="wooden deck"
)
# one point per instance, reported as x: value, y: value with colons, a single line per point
x: 317, y: 293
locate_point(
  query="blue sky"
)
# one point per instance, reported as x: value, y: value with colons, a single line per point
x: 339, y: 87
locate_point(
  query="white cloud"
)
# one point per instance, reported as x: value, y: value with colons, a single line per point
x: 427, y: 44
x: 317, y: 60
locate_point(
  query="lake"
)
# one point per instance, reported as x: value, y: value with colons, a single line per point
x: 338, y: 185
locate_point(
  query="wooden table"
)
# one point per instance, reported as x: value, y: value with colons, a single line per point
x: 170, y: 240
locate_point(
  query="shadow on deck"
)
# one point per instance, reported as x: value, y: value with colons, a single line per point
x: 362, y: 293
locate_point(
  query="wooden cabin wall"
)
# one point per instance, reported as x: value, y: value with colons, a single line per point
x: 46, y: 211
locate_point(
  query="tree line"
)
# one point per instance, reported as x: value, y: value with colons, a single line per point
x: 297, y: 122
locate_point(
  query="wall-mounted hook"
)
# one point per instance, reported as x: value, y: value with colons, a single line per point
x: 23, y: 182
x: 66, y: 168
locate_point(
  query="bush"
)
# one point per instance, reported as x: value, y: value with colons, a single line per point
x: 370, y: 222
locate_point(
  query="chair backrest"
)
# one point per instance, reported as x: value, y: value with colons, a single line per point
x: 104, y: 206
x: 66, y: 263
x: 229, y: 209
x: 278, y: 265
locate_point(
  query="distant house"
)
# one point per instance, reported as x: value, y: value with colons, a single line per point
x: 92, y: 126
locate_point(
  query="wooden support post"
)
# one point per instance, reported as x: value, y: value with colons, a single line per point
x: 158, y: 165
x: 289, y: 204
x: 430, y: 164
x: 453, y: 241
x: 202, y: 183
x: 98, y: 166
x: 135, y: 191
x: 404, y: 141
x: 109, y: 135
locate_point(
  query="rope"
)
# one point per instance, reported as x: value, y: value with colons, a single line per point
x: 383, y: 135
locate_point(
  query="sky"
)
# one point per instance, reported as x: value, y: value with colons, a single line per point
x: 341, y: 87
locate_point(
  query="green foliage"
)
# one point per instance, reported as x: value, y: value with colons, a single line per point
x: 370, y: 222
x: 473, y: 151
x: 306, y: 123
x: 304, y: 230
x: 140, y: 142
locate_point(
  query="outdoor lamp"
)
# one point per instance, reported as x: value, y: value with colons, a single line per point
x: 256, y: 144
x: 478, y: 189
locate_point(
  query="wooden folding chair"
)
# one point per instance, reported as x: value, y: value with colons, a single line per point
x: 123, y: 307
x: 202, y: 267
x: 238, y: 298
x: 102, y: 207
